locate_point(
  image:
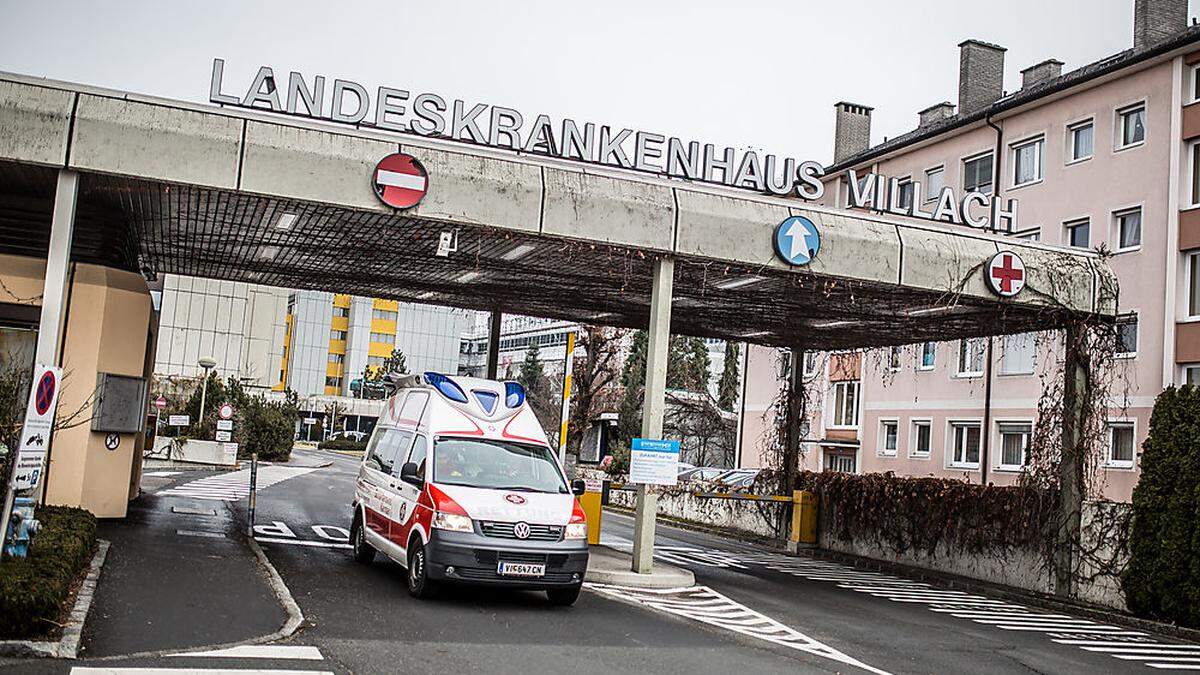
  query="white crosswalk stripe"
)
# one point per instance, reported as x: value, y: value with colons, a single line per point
x: 703, y: 604
x: 218, y: 660
x: 235, y: 485
x: 1115, y: 641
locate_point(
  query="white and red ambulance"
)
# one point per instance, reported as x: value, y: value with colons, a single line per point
x: 458, y: 484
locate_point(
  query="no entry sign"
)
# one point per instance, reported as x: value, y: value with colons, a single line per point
x: 1006, y: 274
x: 400, y: 180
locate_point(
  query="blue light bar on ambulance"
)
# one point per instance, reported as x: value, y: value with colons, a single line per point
x: 487, y: 399
x: 446, y: 387
x: 514, y: 394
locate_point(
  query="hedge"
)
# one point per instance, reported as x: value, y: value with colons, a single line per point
x: 1163, y: 577
x: 343, y: 444
x: 33, y: 589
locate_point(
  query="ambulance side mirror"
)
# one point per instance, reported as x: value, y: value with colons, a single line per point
x: 408, y: 474
x: 578, y: 487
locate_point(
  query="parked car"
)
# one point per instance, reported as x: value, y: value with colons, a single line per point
x: 739, y: 480
x: 355, y: 436
x: 700, y: 473
x: 459, y: 484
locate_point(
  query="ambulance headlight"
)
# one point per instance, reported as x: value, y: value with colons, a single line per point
x: 452, y: 522
x: 576, y: 531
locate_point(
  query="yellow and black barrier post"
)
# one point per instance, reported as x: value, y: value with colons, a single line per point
x: 803, y: 533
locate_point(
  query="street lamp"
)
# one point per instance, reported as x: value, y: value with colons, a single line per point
x: 207, y: 363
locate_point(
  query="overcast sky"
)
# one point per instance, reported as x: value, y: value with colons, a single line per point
x: 747, y: 74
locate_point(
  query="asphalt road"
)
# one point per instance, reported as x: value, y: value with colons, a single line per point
x: 754, y: 610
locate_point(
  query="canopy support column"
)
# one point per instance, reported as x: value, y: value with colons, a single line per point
x: 653, y: 406
x: 1076, y: 395
x: 493, y: 353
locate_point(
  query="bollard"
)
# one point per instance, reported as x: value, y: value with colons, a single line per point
x: 803, y: 532
x: 253, y: 493
x: 593, y: 508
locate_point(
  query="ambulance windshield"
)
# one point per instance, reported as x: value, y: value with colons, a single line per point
x: 501, y: 465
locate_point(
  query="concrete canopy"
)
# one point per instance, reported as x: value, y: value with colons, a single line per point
x: 179, y: 188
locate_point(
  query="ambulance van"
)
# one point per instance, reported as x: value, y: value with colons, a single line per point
x: 458, y: 484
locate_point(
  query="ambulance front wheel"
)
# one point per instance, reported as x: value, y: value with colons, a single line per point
x: 563, y: 596
x: 363, y: 552
x: 419, y: 583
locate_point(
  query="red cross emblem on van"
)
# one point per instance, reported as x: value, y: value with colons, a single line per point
x: 514, y: 499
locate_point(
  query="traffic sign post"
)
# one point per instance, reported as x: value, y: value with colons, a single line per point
x: 35, y: 437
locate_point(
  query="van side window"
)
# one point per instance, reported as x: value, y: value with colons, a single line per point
x: 418, y: 455
x: 386, y: 447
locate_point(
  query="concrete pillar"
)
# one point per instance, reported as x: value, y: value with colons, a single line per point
x: 794, y: 422
x: 493, y: 354
x: 58, y: 261
x: 1070, y: 472
x: 653, y: 406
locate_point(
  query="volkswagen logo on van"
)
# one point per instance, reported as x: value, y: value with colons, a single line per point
x: 514, y: 499
x: 521, y: 530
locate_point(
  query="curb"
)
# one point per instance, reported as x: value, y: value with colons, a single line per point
x: 67, y: 646
x: 295, y: 616
x: 631, y: 579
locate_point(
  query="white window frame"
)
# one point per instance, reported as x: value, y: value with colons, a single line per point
x: 901, y: 183
x: 881, y: 442
x: 1072, y: 222
x: 998, y: 443
x: 931, y: 194
x: 1069, y: 141
x: 970, y: 158
x: 1115, y: 235
x: 952, y: 443
x: 895, y: 357
x: 1189, y: 281
x: 913, y: 423
x: 1004, y: 372
x: 1193, y: 95
x: 1037, y: 140
x: 1137, y: 337
x: 1183, y: 371
x: 958, y: 366
x: 1109, y: 462
x: 1193, y: 157
x: 816, y: 363
x: 1028, y: 234
x: 921, y: 357
x: 1119, y: 126
x: 833, y: 387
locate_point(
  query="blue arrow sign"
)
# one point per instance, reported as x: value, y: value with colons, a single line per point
x: 797, y: 240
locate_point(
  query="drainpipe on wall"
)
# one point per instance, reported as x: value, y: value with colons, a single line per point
x: 985, y: 440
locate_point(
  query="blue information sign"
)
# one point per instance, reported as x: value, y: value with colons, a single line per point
x: 654, y: 461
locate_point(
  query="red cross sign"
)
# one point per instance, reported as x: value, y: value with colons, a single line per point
x: 1006, y: 274
x: 400, y: 180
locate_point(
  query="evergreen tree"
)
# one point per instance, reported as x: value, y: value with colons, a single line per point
x: 634, y: 372
x: 678, y: 363
x: 727, y: 388
x: 531, y: 373
x: 699, y: 366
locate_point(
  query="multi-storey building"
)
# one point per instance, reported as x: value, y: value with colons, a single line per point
x: 1104, y: 156
x: 334, y: 339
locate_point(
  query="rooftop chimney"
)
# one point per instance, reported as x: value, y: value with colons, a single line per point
x: 935, y: 113
x: 1157, y: 20
x: 1039, y: 72
x: 852, y: 131
x: 980, y: 75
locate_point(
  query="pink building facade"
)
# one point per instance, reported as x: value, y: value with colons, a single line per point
x: 1106, y: 156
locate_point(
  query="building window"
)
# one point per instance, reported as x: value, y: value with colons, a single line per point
x: 1131, y: 126
x: 922, y: 438
x: 1128, y: 225
x: 966, y: 445
x: 928, y: 354
x: 337, y: 335
x: 1191, y: 375
x: 1017, y: 358
x: 977, y: 174
x: 383, y: 314
x: 1029, y: 235
x: 845, y: 404
x: 935, y: 180
x: 889, y: 437
x: 335, y: 382
x: 1120, y: 445
x: 1079, y: 141
x: 384, y: 338
x: 971, y: 354
x: 810, y: 363
x: 1127, y: 336
x: 337, y: 358
x: 1194, y: 191
x: 341, y: 311
x: 1014, y: 444
x: 894, y: 355
x: 905, y: 187
x: 1078, y: 233
x: 1027, y: 161
x: 1193, y: 272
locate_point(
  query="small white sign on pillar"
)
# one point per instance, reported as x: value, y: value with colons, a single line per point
x: 654, y: 462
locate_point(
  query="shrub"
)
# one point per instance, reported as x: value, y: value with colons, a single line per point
x: 267, y: 428
x: 343, y: 444
x: 1163, y: 577
x: 33, y: 589
x: 617, y: 463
